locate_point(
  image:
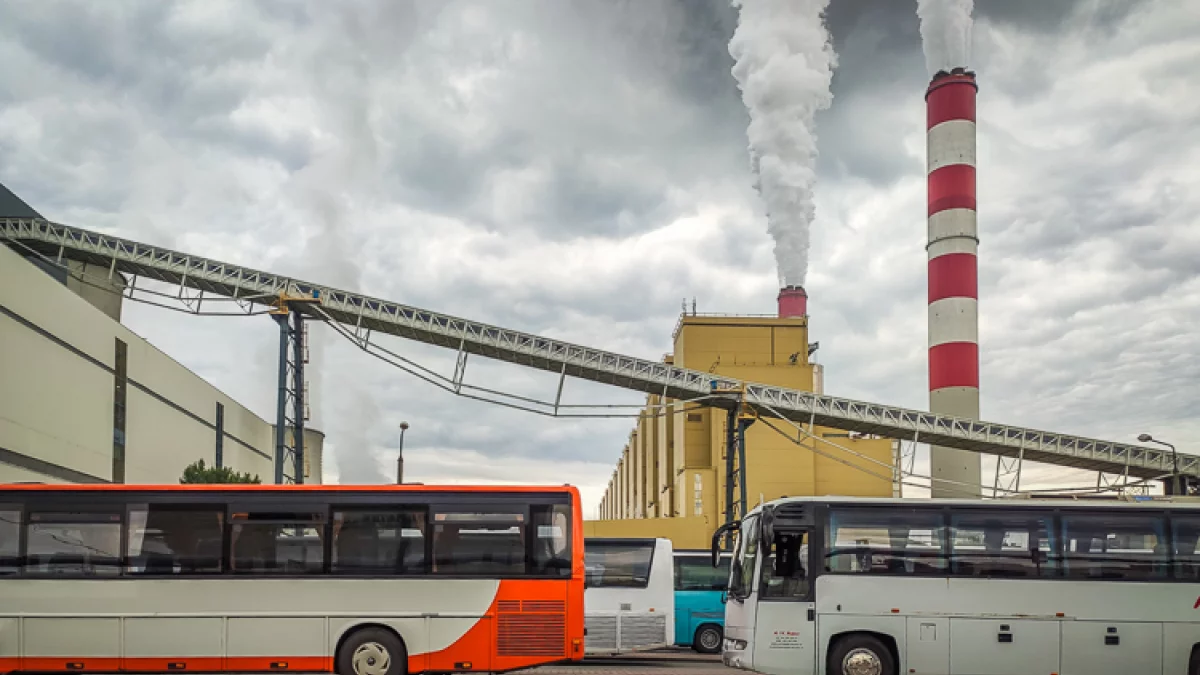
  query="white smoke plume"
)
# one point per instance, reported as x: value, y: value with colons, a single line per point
x: 946, y: 33
x: 342, y: 178
x: 784, y: 63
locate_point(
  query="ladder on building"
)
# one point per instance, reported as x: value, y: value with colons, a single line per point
x: 361, y: 312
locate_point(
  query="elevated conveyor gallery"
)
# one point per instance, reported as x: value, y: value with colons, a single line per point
x: 358, y: 311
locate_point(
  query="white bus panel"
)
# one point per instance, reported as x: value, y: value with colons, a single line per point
x: 629, y: 596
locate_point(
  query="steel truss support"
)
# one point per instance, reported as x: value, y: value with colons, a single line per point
x: 737, y: 420
x: 1008, y: 475
x: 291, y: 407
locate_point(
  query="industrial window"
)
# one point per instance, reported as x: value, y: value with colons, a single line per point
x: 84, y: 543
x: 885, y: 541
x: 174, y: 539
x: 1002, y: 544
x: 1187, y: 552
x: 695, y: 417
x: 696, y: 573
x: 10, y: 538
x: 482, y: 541
x: 379, y: 541
x: 617, y: 564
x: 1115, y: 546
x: 276, y: 542
x: 551, y: 540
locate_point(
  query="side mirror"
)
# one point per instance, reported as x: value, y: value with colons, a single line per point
x: 716, y: 540
x: 724, y: 597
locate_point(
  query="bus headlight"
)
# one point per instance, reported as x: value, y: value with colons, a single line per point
x: 735, y: 645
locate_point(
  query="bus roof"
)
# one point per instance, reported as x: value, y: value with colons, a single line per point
x: 252, y: 487
x: 1161, y: 502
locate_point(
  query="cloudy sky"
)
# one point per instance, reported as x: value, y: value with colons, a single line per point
x: 577, y: 168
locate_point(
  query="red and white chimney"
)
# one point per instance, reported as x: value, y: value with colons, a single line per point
x: 793, y: 302
x: 953, y: 272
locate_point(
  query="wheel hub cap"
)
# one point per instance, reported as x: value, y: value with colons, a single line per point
x: 371, y: 659
x: 862, y: 662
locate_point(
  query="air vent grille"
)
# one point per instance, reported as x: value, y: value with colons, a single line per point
x: 532, y: 635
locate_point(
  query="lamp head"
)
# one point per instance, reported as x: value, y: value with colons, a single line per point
x: 1145, y: 438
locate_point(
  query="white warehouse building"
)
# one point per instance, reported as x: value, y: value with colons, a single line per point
x: 85, y: 400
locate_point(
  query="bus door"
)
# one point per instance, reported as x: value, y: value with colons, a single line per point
x: 785, y: 638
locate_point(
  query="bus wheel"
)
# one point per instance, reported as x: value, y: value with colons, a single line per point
x: 861, y: 655
x: 372, y: 651
x: 708, y: 639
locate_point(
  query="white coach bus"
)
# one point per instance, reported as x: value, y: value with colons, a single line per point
x: 845, y: 586
x: 629, y: 595
x: 353, y: 580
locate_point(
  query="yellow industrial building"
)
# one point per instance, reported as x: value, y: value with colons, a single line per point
x: 670, y: 480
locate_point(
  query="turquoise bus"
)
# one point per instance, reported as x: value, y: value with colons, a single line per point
x: 700, y: 600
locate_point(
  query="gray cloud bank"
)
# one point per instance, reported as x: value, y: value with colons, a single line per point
x: 576, y: 168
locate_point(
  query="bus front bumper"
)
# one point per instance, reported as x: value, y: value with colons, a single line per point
x: 735, y: 653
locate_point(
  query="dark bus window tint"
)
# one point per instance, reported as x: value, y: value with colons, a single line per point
x: 10, y: 538
x: 276, y: 543
x: 617, y: 564
x: 551, y: 540
x: 173, y: 539
x: 1001, y: 544
x: 696, y: 573
x: 785, y: 565
x: 1115, y: 546
x: 892, y: 540
x: 1187, y: 548
x: 87, y: 544
x: 483, y: 541
x: 379, y: 541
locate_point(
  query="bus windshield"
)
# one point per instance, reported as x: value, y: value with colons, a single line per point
x: 741, y: 579
x: 618, y: 564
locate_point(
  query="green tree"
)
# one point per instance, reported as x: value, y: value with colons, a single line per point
x: 199, y: 473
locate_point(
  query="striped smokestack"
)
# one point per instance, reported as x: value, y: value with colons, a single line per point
x: 953, y: 275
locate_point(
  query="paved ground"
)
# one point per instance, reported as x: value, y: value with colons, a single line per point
x: 672, y: 662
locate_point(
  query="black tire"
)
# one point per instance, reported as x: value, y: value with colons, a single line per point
x: 861, y: 646
x: 378, y: 646
x: 708, y: 639
x: 1194, y: 661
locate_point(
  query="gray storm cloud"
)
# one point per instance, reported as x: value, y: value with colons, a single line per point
x: 945, y: 33
x: 784, y: 63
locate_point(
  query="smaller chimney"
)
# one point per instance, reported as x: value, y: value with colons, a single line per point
x: 793, y: 302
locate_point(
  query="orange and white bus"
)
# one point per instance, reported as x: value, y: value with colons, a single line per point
x: 358, y: 580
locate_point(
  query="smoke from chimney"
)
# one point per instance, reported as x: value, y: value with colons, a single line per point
x: 945, y: 32
x: 783, y: 64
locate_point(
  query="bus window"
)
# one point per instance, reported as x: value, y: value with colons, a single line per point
x: 1116, y: 546
x: 785, y: 565
x: 891, y: 541
x: 552, y: 544
x: 696, y: 573
x: 484, y: 541
x: 379, y: 541
x: 10, y: 538
x: 618, y: 564
x: 86, y: 544
x: 1001, y: 544
x: 173, y: 539
x: 1187, y: 553
x: 262, y: 542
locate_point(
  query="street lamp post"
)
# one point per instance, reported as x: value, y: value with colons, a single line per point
x: 1147, y: 438
x: 400, y: 455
